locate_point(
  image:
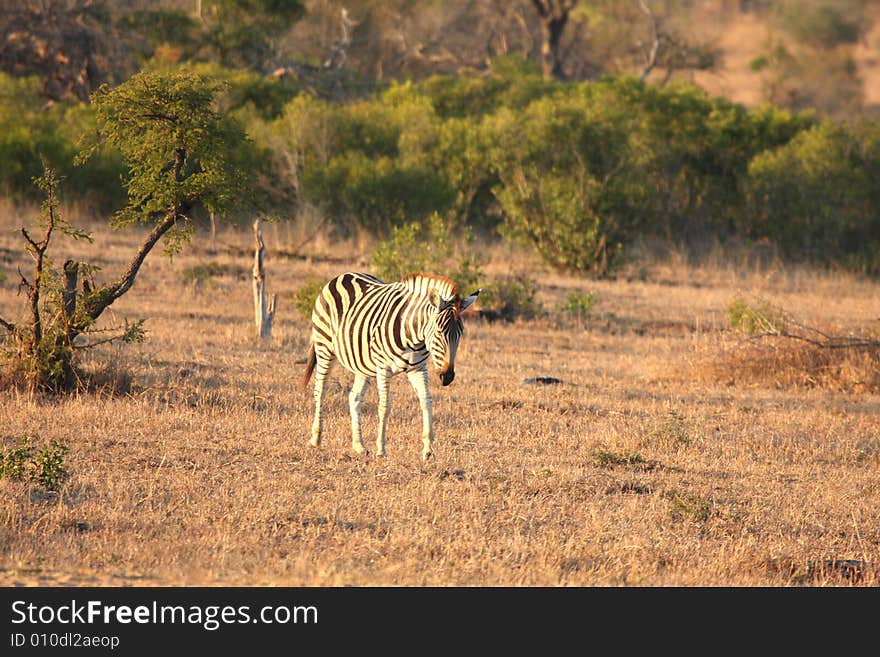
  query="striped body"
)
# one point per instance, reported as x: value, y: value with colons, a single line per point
x: 377, y: 329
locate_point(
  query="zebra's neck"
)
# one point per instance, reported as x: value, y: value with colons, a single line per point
x: 422, y: 284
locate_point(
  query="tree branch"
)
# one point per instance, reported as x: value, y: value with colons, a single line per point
x: 30, y: 240
x: 651, y: 59
x: 101, y: 299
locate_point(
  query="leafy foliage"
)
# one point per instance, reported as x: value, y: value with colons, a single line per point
x: 427, y: 248
x: 31, y: 134
x: 752, y: 319
x: 305, y: 295
x: 179, y: 150
x: 42, y: 464
x: 579, y: 304
x: 816, y: 196
x: 575, y: 171
x: 511, y: 297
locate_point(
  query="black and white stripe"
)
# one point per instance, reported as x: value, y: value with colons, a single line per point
x: 377, y: 329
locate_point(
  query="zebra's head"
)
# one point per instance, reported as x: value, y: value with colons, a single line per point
x: 444, y: 331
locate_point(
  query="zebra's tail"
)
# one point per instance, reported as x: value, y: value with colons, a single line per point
x: 310, y: 366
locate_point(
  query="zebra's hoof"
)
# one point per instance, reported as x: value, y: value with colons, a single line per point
x: 427, y: 456
x: 315, y: 442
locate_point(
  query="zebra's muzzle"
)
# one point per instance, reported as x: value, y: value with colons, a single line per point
x: 447, y: 376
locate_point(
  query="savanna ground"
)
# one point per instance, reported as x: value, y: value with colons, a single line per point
x: 191, y: 465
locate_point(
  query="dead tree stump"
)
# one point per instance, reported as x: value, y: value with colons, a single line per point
x: 264, y: 308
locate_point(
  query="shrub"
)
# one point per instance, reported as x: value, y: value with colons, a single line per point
x: 579, y: 304
x: 823, y: 23
x: 32, y: 134
x: 305, y: 295
x: 427, y: 247
x: 685, y: 506
x: 608, y: 459
x: 201, y: 274
x: 786, y: 353
x: 36, y: 463
x: 569, y: 186
x: 511, y: 297
x: 752, y: 319
x: 816, y: 196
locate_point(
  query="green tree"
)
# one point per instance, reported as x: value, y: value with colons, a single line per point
x: 181, y: 154
x: 241, y: 33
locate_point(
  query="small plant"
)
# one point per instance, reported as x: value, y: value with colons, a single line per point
x: 610, y: 459
x: 43, y: 465
x: 49, y: 469
x: 579, y: 304
x: 672, y: 431
x: 754, y: 319
x: 305, y: 295
x: 469, y: 273
x: 427, y: 247
x: 198, y: 275
x: 511, y: 297
x: 405, y: 251
x: 14, y: 463
x: 685, y: 505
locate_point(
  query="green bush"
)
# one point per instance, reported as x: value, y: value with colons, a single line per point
x: 569, y: 185
x: 817, y: 197
x: 574, y: 171
x: 349, y: 164
x: 160, y: 27
x: 511, y: 297
x: 31, y: 134
x: 427, y: 247
x: 305, y: 295
x: 579, y: 304
x: 42, y: 464
x: 753, y: 319
x: 201, y: 274
x: 824, y: 23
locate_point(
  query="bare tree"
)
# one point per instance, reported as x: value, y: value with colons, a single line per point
x: 669, y: 51
x: 554, y: 17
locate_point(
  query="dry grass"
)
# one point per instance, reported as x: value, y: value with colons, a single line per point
x: 626, y: 473
x: 782, y: 362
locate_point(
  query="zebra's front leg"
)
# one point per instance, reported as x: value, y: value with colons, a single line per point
x: 321, y: 369
x: 383, y: 377
x: 419, y: 381
x: 355, y: 403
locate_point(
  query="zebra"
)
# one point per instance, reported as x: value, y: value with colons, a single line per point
x: 377, y: 329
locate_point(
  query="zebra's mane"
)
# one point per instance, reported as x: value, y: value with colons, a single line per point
x: 422, y: 284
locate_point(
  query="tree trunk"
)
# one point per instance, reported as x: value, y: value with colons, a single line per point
x: 264, y: 308
x: 554, y: 17
x: 99, y: 300
x: 68, y: 293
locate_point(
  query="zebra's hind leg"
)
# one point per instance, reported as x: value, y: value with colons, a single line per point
x: 324, y: 361
x: 419, y: 381
x: 355, y: 403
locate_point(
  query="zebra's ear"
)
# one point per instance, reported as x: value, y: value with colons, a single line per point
x: 434, y: 298
x: 467, y: 302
